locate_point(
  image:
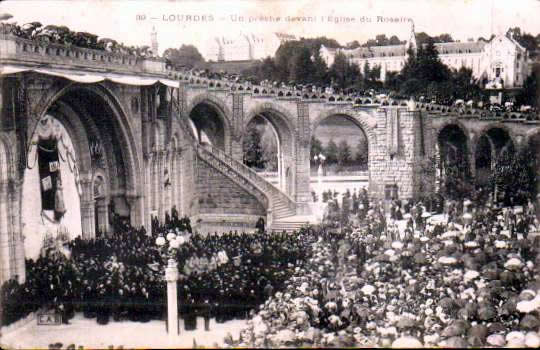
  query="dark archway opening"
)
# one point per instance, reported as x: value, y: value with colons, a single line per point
x: 453, y: 168
x: 208, y: 124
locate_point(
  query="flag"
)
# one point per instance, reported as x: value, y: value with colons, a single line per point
x: 46, y: 183
x: 53, y: 166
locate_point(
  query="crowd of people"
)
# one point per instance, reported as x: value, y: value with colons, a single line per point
x: 64, y: 36
x: 121, y: 276
x: 466, y: 278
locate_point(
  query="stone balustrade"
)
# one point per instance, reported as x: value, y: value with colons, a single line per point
x: 20, y: 50
x: 337, y: 99
x: 274, y: 194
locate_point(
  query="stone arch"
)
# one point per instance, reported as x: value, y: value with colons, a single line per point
x: 452, y: 144
x: 282, y: 123
x: 126, y: 137
x: 223, y: 113
x: 452, y: 122
x: 487, y: 128
x: 120, y: 132
x: 364, y: 121
x: 484, y: 163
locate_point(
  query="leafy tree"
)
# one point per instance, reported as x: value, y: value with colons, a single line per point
x: 381, y: 40
x: 187, y: 56
x: 302, y: 68
x: 455, y: 184
x: 253, y: 155
x: 362, y: 152
x: 316, y: 147
x: 343, y: 73
x: 320, y: 76
x: 422, y: 38
x: 443, y: 38
x: 394, y: 40
x: 353, y: 44
x: 344, y: 152
x: 514, y: 176
x: 528, y: 95
x: 331, y: 152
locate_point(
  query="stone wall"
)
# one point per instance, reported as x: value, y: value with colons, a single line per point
x: 402, y: 167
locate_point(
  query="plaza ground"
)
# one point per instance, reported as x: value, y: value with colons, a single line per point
x: 89, y: 334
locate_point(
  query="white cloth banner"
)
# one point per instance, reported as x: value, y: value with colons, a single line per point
x: 92, y: 78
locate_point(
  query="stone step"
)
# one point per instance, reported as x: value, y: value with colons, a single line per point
x: 283, y: 213
x: 287, y: 226
x: 282, y: 210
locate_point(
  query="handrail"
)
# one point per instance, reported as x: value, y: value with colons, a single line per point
x: 247, y: 172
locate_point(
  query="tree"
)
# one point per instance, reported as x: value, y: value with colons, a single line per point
x: 353, y: 44
x: 443, y: 38
x: 316, y: 147
x: 362, y: 152
x: 528, y: 95
x: 331, y: 152
x: 320, y: 76
x: 302, y: 69
x: 394, y: 40
x: 253, y: 155
x: 187, y: 56
x: 343, y: 73
x: 514, y: 176
x: 344, y: 152
x: 381, y: 40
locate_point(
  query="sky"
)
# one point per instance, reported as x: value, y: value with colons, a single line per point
x: 198, y: 22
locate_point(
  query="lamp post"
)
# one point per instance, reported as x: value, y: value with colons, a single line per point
x: 168, y: 248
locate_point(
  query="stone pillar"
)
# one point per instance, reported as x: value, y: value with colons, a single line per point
x: 87, y: 207
x: 171, y: 276
x: 147, y: 192
x: 237, y: 151
x: 397, y: 157
x: 303, y: 154
x: 303, y: 195
x: 16, y: 228
x: 237, y: 126
x: 135, y: 203
x: 5, y: 238
x: 103, y: 215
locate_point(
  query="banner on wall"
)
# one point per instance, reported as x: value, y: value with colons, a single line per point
x: 50, y: 178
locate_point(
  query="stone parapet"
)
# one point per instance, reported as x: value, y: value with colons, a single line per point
x: 19, y: 50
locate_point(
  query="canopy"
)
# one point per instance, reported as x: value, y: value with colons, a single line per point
x: 89, y: 78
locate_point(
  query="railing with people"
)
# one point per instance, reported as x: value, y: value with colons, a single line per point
x: 289, y: 92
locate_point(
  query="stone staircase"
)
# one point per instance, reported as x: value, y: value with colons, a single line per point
x: 282, y: 207
x: 280, y: 204
x: 291, y: 223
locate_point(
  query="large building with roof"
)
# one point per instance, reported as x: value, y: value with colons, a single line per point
x: 499, y: 63
x: 245, y: 46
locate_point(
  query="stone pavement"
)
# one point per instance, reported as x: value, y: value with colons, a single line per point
x: 87, y: 333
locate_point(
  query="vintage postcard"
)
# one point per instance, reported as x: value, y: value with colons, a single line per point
x: 270, y: 174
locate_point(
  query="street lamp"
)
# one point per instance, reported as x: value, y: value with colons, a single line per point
x: 168, y: 249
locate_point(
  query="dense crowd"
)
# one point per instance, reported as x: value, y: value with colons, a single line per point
x: 467, y: 278
x: 121, y: 276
